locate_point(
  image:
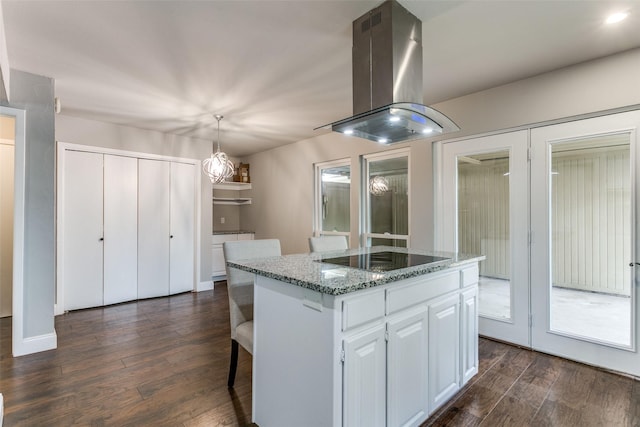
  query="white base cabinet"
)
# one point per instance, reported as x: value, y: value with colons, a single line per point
x: 218, y: 271
x: 385, y: 356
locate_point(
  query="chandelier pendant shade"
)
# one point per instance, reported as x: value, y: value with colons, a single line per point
x: 378, y: 185
x: 218, y: 167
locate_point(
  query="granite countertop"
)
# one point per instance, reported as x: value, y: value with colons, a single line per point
x: 304, y: 270
x: 214, y: 232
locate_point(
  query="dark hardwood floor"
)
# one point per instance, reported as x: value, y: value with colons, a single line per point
x: 164, y: 362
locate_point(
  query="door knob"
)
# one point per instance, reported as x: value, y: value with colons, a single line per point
x: 101, y: 239
x: 171, y: 236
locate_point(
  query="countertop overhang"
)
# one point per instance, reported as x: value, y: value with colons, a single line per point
x: 303, y: 269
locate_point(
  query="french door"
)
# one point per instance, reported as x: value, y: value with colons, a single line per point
x: 584, y: 220
x: 484, y: 210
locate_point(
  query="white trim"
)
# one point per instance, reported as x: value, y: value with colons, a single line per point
x: 365, y: 201
x: 62, y: 147
x: 205, y: 286
x: 317, y: 193
x: 36, y: 344
x: 18, y: 227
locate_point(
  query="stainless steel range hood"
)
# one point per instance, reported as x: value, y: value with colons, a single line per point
x: 387, y: 80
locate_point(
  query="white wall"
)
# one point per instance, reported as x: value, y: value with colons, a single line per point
x: 5, y: 72
x: 282, y: 178
x: 90, y: 132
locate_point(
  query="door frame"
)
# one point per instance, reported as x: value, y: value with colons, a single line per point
x: 516, y: 328
x: 20, y: 346
x: 610, y: 356
x: 61, y: 149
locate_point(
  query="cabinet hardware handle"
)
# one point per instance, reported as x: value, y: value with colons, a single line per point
x: 171, y: 236
x: 631, y: 264
x: 101, y: 239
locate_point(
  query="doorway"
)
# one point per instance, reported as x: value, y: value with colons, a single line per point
x: 554, y: 210
x: 7, y: 155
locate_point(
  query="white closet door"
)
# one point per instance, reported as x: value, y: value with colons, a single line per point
x: 120, y: 229
x: 83, y: 238
x: 153, y: 228
x: 6, y: 228
x: 182, y: 251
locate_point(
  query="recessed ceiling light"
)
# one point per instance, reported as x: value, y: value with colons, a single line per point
x: 394, y: 119
x: 616, y: 17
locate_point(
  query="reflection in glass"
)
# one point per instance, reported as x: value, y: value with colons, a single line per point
x: 336, y: 184
x: 591, y: 238
x: 389, y: 211
x: 483, y: 226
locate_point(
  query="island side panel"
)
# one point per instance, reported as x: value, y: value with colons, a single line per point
x: 296, y: 365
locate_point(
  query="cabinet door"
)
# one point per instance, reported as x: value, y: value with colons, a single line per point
x: 407, y: 368
x: 153, y: 228
x: 120, y: 229
x: 217, y: 261
x: 444, y: 345
x: 364, y: 383
x: 182, y: 237
x: 245, y: 236
x: 469, y: 331
x: 83, y: 244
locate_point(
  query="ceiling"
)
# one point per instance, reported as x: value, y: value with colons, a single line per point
x: 278, y: 69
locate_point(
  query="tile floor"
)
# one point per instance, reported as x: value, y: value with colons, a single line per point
x: 585, y: 314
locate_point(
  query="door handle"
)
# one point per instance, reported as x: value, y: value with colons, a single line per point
x: 631, y: 264
x: 101, y: 239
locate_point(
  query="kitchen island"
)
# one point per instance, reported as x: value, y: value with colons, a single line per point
x: 370, y: 337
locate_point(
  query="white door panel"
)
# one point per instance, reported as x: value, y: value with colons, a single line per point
x: 182, y: 243
x: 484, y: 209
x: 6, y: 228
x: 153, y: 228
x: 120, y: 229
x: 584, y: 183
x: 83, y: 233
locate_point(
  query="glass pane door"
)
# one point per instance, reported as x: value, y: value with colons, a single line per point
x: 333, y: 198
x: 583, y: 222
x: 485, y: 211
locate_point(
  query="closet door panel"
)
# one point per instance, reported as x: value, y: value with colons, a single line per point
x: 153, y: 228
x: 120, y: 229
x: 83, y: 233
x: 182, y: 243
x: 6, y: 228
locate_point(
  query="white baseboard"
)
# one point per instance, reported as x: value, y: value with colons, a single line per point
x: 205, y: 286
x: 35, y: 344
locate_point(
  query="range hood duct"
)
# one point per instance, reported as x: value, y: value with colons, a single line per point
x: 387, y: 80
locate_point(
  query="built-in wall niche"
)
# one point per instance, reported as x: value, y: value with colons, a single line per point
x: 226, y: 197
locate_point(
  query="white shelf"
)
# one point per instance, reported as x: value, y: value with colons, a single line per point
x: 232, y: 201
x: 232, y: 186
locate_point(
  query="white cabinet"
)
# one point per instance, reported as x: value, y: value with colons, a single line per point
x: 444, y: 349
x: 365, y: 378
x: 407, y: 368
x: 182, y: 228
x: 116, y: 218
x: 218, y: 270
x: 153, y: 229
x: 385, y: 356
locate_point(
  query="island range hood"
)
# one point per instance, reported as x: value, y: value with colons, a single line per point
x: 387, y: 80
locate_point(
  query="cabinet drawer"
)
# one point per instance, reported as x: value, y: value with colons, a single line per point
x: 418, y: 290
x: 362, y: 309
x: 469, y: 276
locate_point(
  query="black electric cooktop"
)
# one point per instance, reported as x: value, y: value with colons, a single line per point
x: 382, y: 261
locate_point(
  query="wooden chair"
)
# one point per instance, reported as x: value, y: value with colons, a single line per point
x: 240, y: 290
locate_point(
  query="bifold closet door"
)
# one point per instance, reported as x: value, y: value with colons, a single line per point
x: 120, y: 229
x: 182, y: 250
x: 83, y: 233
x: 153, y: 227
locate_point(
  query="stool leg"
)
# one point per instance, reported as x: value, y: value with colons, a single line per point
x: 234, y: 363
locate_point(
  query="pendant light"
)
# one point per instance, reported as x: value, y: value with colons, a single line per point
x: 378, y: 185
x: 218, y: 167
